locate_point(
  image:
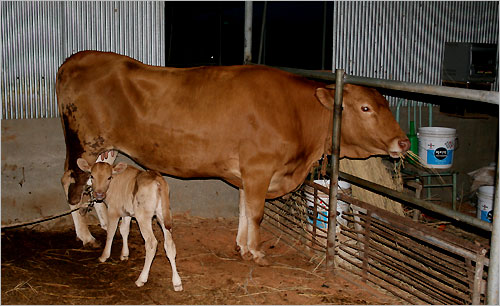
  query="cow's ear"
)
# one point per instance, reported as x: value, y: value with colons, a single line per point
x: 325, y: 96
x: 83, y: 165
x: 119, y: 168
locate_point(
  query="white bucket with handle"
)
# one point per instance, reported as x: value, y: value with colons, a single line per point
x: 436, y: 146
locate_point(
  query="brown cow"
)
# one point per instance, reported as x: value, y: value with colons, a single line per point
x: 256, y: 127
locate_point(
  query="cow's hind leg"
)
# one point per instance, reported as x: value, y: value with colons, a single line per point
x: 81, y: 227
x: 124, y: 231
x: 145, y: 225
x: 241, y: 237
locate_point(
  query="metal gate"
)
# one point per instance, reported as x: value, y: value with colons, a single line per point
x: 420, y: 265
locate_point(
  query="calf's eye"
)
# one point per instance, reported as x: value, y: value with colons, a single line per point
x: 109, y: 178
x: 365, y: 108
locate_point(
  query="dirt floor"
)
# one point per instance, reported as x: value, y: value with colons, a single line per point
x: 54, y: 268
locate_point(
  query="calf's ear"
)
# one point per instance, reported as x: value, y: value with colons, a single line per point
x: 83, y: 165
x: 325, y: 96
x: 119, y: 168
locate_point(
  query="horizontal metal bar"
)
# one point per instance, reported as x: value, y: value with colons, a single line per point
x: 455, y: 215
x: 453, y: 92
x: 444, y: 91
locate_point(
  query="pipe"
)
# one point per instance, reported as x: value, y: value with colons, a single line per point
x: 455, y: 215
x: 492, y: 294
x: 452, y: 92
x: 262, y: 32
x: 323, y: 43
x: 334, y: 175
x: 247, y: 51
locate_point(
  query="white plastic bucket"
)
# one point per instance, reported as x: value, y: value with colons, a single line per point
x: 436, y: 146
x: 322, y: 208
x: 485, y: 197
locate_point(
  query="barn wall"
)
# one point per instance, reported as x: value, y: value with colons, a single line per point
x: 404, y: 40
x: 33, y: 153
x: 37, y: 36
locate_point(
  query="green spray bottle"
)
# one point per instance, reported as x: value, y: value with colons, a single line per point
x: 412, y: 136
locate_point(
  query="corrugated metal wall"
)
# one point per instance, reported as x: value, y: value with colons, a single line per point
x: 38, y: 36
x: 404, y: 40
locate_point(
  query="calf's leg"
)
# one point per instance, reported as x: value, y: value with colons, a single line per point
x: 150, y: 243
x: 171, y: 252
x: 124, y: 231
x: 112, y: 225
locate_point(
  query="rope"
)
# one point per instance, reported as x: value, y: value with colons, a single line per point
x: 40, y: 220
x: 84, y: 210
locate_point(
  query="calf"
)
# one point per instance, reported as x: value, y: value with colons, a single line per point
x: 129, y: 193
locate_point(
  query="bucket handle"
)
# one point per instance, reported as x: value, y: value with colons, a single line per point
x: 456, y: 142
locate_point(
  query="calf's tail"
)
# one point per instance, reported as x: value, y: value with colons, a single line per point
x: 164, y: 191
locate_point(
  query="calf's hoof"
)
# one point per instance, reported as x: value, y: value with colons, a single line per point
x: 102, y: 259
x: 123, y: 257
x: 178, y: 287
x: 139, y: 283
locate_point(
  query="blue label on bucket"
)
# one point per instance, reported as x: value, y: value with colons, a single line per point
x: 321, y: 221
x: 487, y: 215
x: 439, y: 156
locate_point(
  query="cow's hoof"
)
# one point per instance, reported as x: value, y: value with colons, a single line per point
x: 262, y: 261
x: 178, y: 287
x: 246, y: 256
x: 139, y: 283
x: 92, y: 244
x: 102, y: 259
x: 122, y: 258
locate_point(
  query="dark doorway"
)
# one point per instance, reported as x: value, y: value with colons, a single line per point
x: 211, y: 33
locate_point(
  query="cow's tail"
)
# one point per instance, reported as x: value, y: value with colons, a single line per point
x: 164, y: 192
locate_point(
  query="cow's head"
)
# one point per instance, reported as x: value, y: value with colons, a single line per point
x: 368, y: 126
x: 101, y: 174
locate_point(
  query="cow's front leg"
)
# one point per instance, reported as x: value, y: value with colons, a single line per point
x: 241, y: 237
x: 81, y: 227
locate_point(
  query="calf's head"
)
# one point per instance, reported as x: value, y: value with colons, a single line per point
x: 101, y: 174
x: 368, y: 126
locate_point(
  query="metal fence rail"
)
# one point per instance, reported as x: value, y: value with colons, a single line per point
x: 419, y: 264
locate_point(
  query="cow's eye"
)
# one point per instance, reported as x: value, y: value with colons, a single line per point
x: 109, y: 178
x: 365, y: 109
x: 91, y: 177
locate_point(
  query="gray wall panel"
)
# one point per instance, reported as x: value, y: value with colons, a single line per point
x: 404, y: 40
x: 38, y: 36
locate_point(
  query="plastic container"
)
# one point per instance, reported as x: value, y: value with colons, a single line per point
x: 436, y: 146
x: 322, y: 208
x: 485, y: 199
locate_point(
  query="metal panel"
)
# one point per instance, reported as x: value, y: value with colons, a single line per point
x: 404, y: 40
x: 38, y: 36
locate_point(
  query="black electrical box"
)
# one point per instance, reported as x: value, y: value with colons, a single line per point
x: 469, y: 63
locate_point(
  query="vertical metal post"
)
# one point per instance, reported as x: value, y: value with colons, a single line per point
x: 334, y: 178
x: 262, y: 32
x: 323, y: 43
x: 247, y: 51
x: 492, y: 294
